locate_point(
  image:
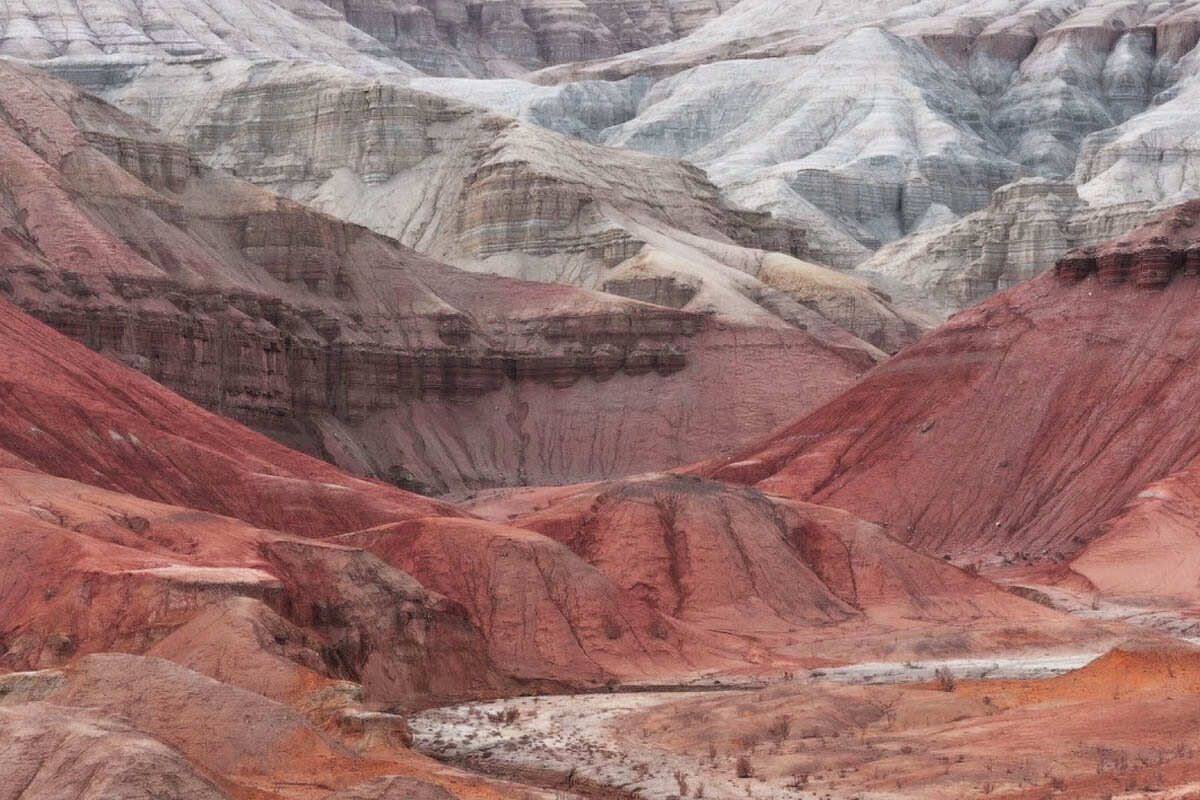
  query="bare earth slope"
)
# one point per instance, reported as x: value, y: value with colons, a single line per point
x: 1025, y: 422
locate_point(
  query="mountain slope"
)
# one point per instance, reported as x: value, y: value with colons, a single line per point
x: 1022, y: 424
x: 349, y: 345
x: 487, y: 193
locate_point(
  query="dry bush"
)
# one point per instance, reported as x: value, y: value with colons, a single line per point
x: 682, y: 781
x: 945, y: 679
x: 505, y: 716
x: 744, y: 768
x: 780, y: 729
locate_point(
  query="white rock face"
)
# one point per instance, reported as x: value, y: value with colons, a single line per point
x: 1027, y: 226
x: 507, y: 37
x: 873, y: 131
x: 96, y: 41
x: 856, y: 143
x: 441, y: 37
x: 868, y: 122
x: 862, y: 124
x: 1153, y: 157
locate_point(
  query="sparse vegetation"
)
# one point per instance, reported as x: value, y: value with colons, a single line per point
x: 505, y: 716
x: 682, y: 782
x: 780, y: 729
x: 744, y: 768
x: 945, y: 679
x: 799, y: 780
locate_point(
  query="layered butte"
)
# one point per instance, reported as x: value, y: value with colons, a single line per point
x: 488, y: 193
x: 352, y: 347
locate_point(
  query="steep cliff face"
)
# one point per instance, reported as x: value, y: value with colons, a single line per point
x: 349, y: 345
x: 1083, y: 375
x: 1025, y: 228
x: 876, y: 124
x: 381, y: 154
x: 498, y: 38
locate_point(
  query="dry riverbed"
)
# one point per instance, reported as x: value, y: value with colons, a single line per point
x: 625, y: 741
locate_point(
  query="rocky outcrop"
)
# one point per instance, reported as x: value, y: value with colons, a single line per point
x: 348, y: 345
x: 1092, y: 367
x: 384, y: 630
x: 1025, y: 228
x: 484, y: 192
x: 1151, y: 257
x: 112, y: 572
x: 568, y: 622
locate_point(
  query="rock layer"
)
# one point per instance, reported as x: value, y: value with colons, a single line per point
x: 481, y: 191
x: 498, y: 38
x: 349, y: 345
x: 1026, y: 227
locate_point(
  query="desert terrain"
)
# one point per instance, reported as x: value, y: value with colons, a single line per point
x: 599, y: 399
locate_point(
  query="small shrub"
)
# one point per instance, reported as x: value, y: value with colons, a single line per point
x: 682, y: 781
x: 945, y: 679
x: 780, y: 729
x: 744, y: 768
x: 505, y: 716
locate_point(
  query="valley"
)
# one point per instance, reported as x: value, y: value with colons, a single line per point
x: 656, y: 399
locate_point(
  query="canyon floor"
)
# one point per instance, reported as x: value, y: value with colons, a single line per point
x: 1113, y: 722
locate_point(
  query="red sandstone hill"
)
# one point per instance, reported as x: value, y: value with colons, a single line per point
x: 1150, y: 551
x: 1022, y: 424
x: 122, y: 566
x: 354, y: 348
x: 68, y: 412
x: 766, y: 578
